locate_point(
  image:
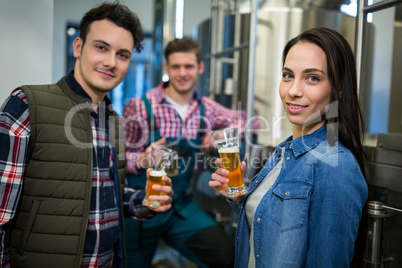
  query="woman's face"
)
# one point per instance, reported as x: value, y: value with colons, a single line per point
x: 305, y: 88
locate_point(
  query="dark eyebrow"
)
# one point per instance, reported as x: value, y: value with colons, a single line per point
x: 108, y: 45
x: 313, y: 70
x: 310, y: 70
x: 101, y: 41
x: 287, y: 69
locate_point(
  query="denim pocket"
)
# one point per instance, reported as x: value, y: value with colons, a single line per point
x: 291, y: 203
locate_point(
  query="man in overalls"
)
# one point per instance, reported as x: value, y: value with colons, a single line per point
x: 175, y: 115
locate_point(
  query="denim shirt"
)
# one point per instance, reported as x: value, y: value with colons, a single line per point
x: 310, y: 216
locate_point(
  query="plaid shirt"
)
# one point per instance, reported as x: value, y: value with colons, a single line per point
x: 171, y: 124
x: 103, y: 224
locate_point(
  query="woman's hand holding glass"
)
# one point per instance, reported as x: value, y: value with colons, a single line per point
x: 220, y: 181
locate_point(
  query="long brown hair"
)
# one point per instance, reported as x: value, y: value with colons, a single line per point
x: 341, y: 68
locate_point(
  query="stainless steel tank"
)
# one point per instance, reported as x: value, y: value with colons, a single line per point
x: 384, y: 178
x: 278, y: 22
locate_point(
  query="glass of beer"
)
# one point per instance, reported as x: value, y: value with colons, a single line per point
x: 227, y: 143
x: 161, y: 159
x: 173, y: 169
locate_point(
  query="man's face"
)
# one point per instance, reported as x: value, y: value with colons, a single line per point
x: 183, y: 70
x: 102, y: 62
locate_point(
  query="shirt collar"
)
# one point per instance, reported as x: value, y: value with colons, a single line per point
x: 76, y: 87
x: 305, y: 143
x: 160, y: 96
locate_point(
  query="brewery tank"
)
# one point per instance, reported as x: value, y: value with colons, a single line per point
x: 278, y: 22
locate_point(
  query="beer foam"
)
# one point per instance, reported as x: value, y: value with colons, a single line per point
x: 228, y: 150
x: 157, y: 173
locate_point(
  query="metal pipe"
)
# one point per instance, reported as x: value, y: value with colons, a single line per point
x: 217, y: 27
x: 169, y: 21
x: 381, y: 5
x: 219, y: 46
x: 376, y: 214
x: 228, y: 61
x: 360, y: 36
x: 157, y: 65
x: 214, y: 34
x: 230, y: 50
x: 393, y: 209
x: 251, y: 71
x: 236, y: 55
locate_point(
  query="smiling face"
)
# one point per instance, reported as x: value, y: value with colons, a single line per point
x: 102, y: 62
x: 305, y: 88
x: 183, y: 70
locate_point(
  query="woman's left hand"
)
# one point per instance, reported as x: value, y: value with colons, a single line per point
x: 220, y: 181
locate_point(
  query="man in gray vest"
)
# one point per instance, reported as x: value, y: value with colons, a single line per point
x: 62, y: 164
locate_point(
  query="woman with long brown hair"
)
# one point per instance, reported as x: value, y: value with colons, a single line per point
x: 304, y: 207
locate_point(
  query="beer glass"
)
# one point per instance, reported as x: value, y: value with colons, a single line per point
x: 161, y: 159
x: 227, y: 143
x: 173, y: 169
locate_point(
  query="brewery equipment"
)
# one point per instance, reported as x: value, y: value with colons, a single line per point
x: 242, y: 45
x: 384, y: 178
x: 226, y: 41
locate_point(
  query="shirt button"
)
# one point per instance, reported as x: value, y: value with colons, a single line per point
x: 239, y: 207
x: 290, y: 146
x: 287, y: 158
x: 237, y: 238
x: 257, y: 256
x: 259, y: 219
x: 287, y: 193
x: 256, y: 181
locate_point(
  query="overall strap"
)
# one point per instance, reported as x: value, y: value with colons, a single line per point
x: 147, y: 105
x: 151, y: 121
x: 202, y: 122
